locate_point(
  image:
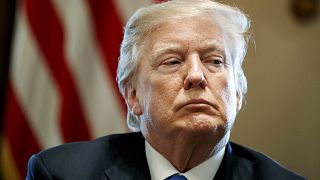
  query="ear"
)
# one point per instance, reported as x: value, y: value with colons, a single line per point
x: 239, y: 101
x: 133, y: 100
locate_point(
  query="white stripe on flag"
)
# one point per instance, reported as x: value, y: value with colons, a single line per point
x: 97, y: 94
x: 35, y: 87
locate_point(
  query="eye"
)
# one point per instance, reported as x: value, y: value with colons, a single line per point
x: 214, y: 61
x: 171, y: 62
x: 169, y: 65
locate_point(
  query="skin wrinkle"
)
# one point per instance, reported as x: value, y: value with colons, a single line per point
x: 159, y: 91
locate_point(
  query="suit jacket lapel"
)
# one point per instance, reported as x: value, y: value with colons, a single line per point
x: 129, y: 163
x: 234, y: 167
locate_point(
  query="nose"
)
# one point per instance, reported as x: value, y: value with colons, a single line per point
x: 195, y: 77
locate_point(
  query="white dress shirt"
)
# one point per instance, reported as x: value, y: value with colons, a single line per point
x: 160, y: 168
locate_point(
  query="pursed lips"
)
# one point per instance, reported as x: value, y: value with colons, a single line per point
x: 196, y: 102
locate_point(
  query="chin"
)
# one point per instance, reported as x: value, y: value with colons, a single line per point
x: 207, y: 125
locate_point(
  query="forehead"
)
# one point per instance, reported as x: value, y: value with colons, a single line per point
x: 195, y: 32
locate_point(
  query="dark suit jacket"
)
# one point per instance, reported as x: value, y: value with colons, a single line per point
x: 122, y: 157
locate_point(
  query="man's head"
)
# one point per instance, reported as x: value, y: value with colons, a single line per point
x: 180, y: 66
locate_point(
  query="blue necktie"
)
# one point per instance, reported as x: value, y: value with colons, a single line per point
x: 177, y: 177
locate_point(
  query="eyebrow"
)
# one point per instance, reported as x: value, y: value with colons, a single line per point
x: 166, y: 48
x: 212, y: 45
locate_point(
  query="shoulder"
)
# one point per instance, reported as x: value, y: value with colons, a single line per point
x: 263, y: 166
x: 84, y: 158
x: 98, y: 146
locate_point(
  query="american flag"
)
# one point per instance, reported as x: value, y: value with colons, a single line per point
x: 62, y: 77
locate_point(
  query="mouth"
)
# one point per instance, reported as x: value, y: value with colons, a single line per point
x: 197, y: 104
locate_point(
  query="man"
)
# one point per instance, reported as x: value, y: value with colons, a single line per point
x: 180, y: 74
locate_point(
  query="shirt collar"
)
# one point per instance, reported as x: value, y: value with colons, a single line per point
x: 160, y: 168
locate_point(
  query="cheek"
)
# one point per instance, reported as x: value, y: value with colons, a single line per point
x: 225, y: 94
x: 166, y: 86
x: 229, y: 97
x: 164, y: 92
x: 158, y: 94
x: 158, y: 103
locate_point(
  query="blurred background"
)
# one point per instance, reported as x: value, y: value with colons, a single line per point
x: 57, y: 78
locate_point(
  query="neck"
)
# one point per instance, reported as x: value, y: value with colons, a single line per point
x: 187, y: 151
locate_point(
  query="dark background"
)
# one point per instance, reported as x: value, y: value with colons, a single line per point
x: 7, y: 14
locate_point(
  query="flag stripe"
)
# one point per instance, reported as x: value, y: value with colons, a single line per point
x: 92, y: 79
x: 35, y: 89
x: 18, y: 130
x: 49, y: 35
x: 108, y: 32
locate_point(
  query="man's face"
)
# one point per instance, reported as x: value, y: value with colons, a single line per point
x: 184, y: 83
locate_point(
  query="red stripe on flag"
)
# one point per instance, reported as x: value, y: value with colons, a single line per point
x: 108, y: 32
x: 49, y: 35
x: 20, y: 137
